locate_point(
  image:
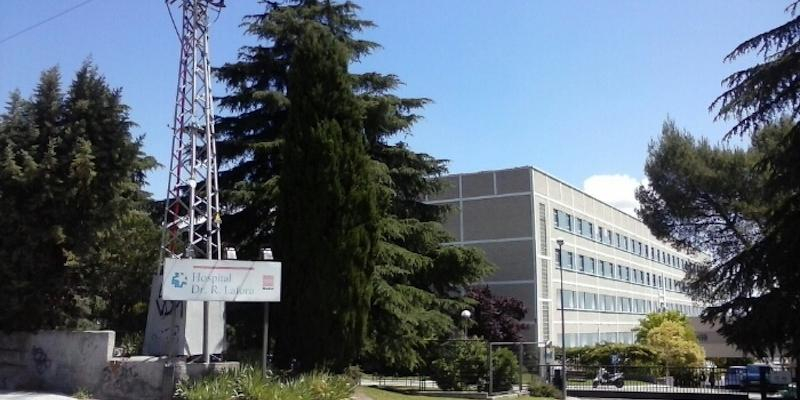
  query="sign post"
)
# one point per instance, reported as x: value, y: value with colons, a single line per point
x: 192, y: 279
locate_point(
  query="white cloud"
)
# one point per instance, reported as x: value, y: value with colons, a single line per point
x: 617, y: 190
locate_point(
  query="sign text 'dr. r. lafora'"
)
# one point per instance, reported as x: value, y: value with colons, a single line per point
x: 221, y: 280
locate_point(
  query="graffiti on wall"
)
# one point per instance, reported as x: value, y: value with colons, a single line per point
x: 40, y: 360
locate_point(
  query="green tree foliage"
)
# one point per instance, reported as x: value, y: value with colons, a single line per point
x: 670, y: 336
x: 70, y: 182
x: 670, y: 341
x: 755, y: 98
x: 328, y: 214
x: 462, y: 364
x: 416, y: 281
x: 715, y: 200
x: 654, y: 320
x: 459, y: 364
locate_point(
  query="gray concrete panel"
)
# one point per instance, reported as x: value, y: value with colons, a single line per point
x: 449, y: 189
x: 498, y: 218
x: 513, y: 180
x: 541, y: 183
x: 452, y: 221
x: 480, y: 184
x: 514, y: 260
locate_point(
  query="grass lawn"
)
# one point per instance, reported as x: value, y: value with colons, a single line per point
x: 377, y: 394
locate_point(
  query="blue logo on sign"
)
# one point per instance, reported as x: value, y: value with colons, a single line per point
x: 179, y: 280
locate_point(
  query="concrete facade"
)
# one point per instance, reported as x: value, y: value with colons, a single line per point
x: 615, y: 271
x: 713, y: 343
x: 176, y: 327
x: 65, y: 362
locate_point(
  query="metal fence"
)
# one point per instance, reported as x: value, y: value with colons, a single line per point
x: 534, y: 369
x: 657, y: 379
x: 664, y: 379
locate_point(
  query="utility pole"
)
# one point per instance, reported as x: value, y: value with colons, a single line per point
x: 192, y: 220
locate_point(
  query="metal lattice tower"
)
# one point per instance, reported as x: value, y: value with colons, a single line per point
x: 192, y: 213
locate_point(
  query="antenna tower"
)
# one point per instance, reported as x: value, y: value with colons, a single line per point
x: 192, y: 215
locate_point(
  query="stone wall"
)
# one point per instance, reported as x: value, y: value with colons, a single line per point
x: 65, y: 362
x: 53, y: 360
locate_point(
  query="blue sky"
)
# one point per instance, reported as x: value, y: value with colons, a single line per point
x: 577, y: 88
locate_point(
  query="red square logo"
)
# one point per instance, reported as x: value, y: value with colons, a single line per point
x: 267, y: 282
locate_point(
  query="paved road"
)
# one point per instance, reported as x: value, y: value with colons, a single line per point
x: 32, y: 396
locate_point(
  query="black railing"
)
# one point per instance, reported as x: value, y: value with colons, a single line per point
x: 665, y: 379
x: 656, y: 379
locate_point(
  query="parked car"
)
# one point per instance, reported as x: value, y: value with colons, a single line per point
x: 734, y: 376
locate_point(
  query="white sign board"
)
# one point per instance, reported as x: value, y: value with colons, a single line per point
x: 221, y: 280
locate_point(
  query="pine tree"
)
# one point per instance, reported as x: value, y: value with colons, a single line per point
x: 755, y: 98
x: 71, y: 173
x: 418, y: 283
x: 714, y: 200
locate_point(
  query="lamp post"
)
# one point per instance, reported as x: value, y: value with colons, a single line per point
x: 560, y: 243
x: 465, y: 315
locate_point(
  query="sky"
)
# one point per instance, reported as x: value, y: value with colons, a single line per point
x: 576, y: 88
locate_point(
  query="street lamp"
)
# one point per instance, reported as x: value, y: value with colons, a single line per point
x: 560, y: 243
x: 465, y: 315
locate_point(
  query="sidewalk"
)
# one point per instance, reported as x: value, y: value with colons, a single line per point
x: 32, y: 396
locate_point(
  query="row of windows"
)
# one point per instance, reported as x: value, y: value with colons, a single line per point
x: 574, y: 300
x: 601, y: 302
x: 589, y: 339
x: 582, y: 227
x: 607, y: 269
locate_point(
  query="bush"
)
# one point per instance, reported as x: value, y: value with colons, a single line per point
x: 505, y: 369
x: 459, y: 365
x: 131, y: 344
x: 541, y: 389
x: 251, y: 384
x: 684, y: 377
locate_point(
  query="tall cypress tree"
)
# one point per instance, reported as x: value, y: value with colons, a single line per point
x: 327, y: 215
x: 418, y: 283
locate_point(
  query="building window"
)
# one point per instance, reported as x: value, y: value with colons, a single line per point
x: 579, y: 225
x: 591, y: 268
x: 542, y: 229
x: 562, y: 220
x: 546, y: 321
x: 610, y: 270
x: 570, y: 260
x: 600, y: 234
x: 590, y: 301
x: 545, y: 279
x: 619, y: 240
